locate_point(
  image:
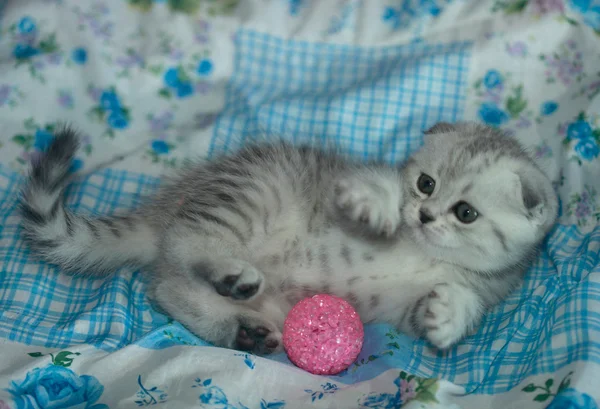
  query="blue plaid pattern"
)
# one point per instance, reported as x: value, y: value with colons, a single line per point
x: 372, y: 103
x: 42, y: 307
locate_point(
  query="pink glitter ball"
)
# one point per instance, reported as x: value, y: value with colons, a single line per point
x: 323, y: 334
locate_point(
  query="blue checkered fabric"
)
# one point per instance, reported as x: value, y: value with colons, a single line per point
x: 42, y: 307
x: 372, y: 102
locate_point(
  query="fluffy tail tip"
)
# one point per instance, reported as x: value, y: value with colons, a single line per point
x: 53, y: 166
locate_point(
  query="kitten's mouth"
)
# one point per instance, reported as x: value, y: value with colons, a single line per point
x: 430, y: 237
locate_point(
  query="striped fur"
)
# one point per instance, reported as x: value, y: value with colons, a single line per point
x: 233, y: 243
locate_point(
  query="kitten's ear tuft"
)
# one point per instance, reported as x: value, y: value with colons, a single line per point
x: 441, y: 127
x: 537, y: 196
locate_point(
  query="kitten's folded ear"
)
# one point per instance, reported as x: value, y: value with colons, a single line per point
x: 534, y: 191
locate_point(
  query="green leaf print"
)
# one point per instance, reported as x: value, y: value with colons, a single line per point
x: 165, y: 93
x: 516, y: 104
x: 24, y: 140
x: 142, y: 5
x: 546, y: 389
x: 35, y: 354
x: 510, y: 7
x: 542, y: 397
x: 49, y: 44
x: 426, y: 397
x: 63, y: 358
x: 184, y: 6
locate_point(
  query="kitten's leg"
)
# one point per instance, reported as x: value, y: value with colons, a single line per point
x: 446, y: 314
x: 217, y: 260
x: 371, y: 198
x: 232, y: 277
x: 217, y: 319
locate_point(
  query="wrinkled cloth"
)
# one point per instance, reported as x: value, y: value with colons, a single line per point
x: 153, y: 83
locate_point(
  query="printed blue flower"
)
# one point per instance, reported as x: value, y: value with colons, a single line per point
x: 548, y: 108
x: 42, y: 139
x: 381, y: 401
x: 160, y: 147
x: 492, y: 115
x: 171, y: 77
x: 117, y: 120
x: 23, y: 51
x: 56, y: 387
x: 79, y: 55
x: 580, y: 5
x: 572, y: 399
x: 213, y: 396
x: 592, y: 18
x: 76, y: 165
x: 110, y: 101
x: 389, y: 13
x: 26, y: 25
x: 579, y: 130
x: 205, y: 67
x: 295, y: 6
x: 184, y: 90
x: 492, y: 79
x: 587, y: 149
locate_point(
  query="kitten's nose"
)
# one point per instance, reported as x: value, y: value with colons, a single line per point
x: 424, y: 216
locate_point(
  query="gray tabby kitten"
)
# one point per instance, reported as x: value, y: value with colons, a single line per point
x: 235, y: 242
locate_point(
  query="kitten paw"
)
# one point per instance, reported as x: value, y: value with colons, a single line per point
x: 258, y: 337
x: 441, y: 319
x: 366, y: 205
x: 241, y: 282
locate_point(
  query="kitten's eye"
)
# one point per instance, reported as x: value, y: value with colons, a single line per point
x: 426, y: 184
x: 465, y: 213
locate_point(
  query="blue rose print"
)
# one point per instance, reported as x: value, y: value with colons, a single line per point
x: 548, y: 108
x: 110, y: 101
x: 591, y: 15
x: 56, y: 387
x: 79, y: 55
x: 160, y: 147
x: 26, y: 25
x: 592, y: 18
x: 213, y: 396
x: 76, y: 165
x: 381, y: 401
x: 171, y: 77
x: 205, y: 67
x: 184, y: 89
x: 492, y: 115
x: 587, y: 149
x: 492, y: 79
x: 23, y: 51
x: 579, y: 130
x: 176, y: 79
x: 295, y: 6
x: 42, y: 139
x: 117, y: 120
x: 580, y: 5
x: 572, y: 399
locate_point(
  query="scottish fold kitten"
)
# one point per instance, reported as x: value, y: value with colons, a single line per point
x: 234, y: 242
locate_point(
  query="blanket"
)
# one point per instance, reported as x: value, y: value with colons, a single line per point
x: 154, y: 83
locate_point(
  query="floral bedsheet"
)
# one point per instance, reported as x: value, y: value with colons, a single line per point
x: 153, y: 83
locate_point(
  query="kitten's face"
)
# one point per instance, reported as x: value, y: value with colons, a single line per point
x: 465, y: 203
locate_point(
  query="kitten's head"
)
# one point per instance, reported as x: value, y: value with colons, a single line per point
x: 474, y: 198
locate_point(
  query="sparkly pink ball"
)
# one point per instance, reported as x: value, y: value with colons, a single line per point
x: 323, y: 335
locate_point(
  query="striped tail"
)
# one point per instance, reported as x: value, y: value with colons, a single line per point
x: 77, y: 243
